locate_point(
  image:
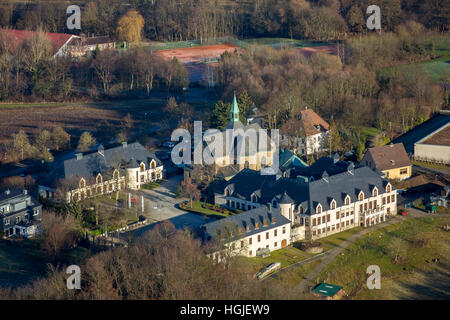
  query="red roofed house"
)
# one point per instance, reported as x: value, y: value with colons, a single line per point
x: 305, y: 134
x: 60, y: 41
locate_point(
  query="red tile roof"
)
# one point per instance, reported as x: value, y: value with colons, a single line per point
x: 16, y: 37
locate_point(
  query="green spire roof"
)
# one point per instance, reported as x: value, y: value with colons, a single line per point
x: 234, y: 109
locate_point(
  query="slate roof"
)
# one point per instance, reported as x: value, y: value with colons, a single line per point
x: 123, y: 155
x: 390, y: 156
x: 330, y: 164
x: 5, y: 195
x: 307, y: 193
x: 241, y: 221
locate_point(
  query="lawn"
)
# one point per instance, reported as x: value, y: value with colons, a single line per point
x: 151, y: 185
x: 336, y: 239
x: 276, y: 42
x: 197, y: 207
x: 415, y: 241
x: 22, y: 262
x: 285, y: 256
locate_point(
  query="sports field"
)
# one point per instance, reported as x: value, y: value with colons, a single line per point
x: 198, y: 54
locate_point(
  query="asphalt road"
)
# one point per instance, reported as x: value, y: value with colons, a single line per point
x: 161, y: 204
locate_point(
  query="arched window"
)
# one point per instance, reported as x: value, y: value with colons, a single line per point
x: 361, y: 196
x: 333, y: 204
x: 388, y: 188
x: 153, y: 164
x: 375, y: 192
x: 116, y: 174
x: 319, y: 208
x: 99, y: 178
x: 82, y: 183
x: 347, y: 200
x: 142, y: 167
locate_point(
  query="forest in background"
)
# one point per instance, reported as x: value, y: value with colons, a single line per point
x: 171, y: 20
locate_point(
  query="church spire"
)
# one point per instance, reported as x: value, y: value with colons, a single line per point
x: 234, y: 109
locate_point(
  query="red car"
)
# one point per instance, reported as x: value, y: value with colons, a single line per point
x: 403, y: 212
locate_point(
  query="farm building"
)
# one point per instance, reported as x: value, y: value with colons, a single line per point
x: 434, y: 147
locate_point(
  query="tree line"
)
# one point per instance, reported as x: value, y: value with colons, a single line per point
x: 31, y: 73
x: 172, y: 20
x: 351, y: 90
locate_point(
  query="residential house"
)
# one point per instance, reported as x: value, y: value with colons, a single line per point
x: 392, y: 160
x: 83, y: 45
x: 305, y: 136
x: 20, y: 213
x: 102, y: 171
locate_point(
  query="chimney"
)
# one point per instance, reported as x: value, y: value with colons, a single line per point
x: 124, y: 144
x: 79, y: 156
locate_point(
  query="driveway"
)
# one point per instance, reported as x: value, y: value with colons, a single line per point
x: 160, y: 204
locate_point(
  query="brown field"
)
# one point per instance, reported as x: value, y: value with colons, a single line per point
x: 309, y: 51
x: 197, y: 54
x: 103, y: 119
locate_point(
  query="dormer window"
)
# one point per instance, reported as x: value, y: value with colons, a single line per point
x: 116, y: 174
x: 375, y: 192
x: 99, y: 178
x: 333, y: 204
x: 388, y: 188
x: 153, y: 164
x: 347, y: 200
x: 274, y: 203
x: 82, y: 183
x: 319, y: 208
x: 361, y: 196
x: 254, y: 198
x: 142, y: 166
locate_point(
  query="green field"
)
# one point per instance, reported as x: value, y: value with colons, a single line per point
x: 414, y: 241
x: 277, y: 42
x: 22, y: 262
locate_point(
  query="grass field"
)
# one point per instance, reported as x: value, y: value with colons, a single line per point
x: 277, y: 42
x: 416, y: 241
x: 22, y: 262
x: 197, y: 208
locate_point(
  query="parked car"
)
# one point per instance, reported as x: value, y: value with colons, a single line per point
x: 168, y: 144
x: 268, y: 270
x: 403, y: 212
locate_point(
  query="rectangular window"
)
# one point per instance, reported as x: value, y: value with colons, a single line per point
x: 393, y: 198
x: 314, y: 232
x: 259, y: 238
x: 323, y: 219
x: 384, y: 201
x: 328, y: 229
x: 342, y: 214
x: 365, y: 206
x: 250, y: 253
x: 275, y: 244
x: 337, y: 215
x: 347, y: 213
x: 403, y: 171
x: 328, y: 218
x: 360, y: 208
x: 250, y: 241
x: 318, y: 231
x: 267, y: 235
x: 346, y: 223
x: 242, y: 244
x: 370, y: 204
x: 375, y: 203
x: 284, y: 230
x: 275, y: 232
x: 351, y: 221
x: 314, y: 222
x: 388, y: 199
x: 342, y: 225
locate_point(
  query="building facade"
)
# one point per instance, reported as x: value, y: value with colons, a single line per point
x: 306, y: 135
x: 392, y: 160
x: 434, y: 147
x: 20, y: 214
x: 101, y: 172
x: 315, y: 208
